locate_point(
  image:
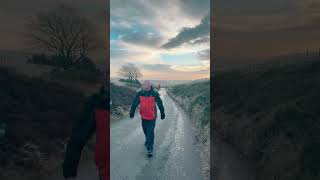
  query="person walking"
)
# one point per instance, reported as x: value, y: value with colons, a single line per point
x: 148, y: 98
x: 95, y: 118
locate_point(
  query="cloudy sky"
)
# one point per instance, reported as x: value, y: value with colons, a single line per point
x: 166, y: 39
x: 261, y: 29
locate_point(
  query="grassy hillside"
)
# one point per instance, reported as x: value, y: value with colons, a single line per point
x: 195, y: 99
x: 122, y: 98
x: 39, y: 117
x: 273, y: 118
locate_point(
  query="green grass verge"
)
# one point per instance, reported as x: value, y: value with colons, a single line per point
x: 195, y: 99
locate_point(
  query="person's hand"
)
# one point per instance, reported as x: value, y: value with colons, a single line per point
x: 131, y: 116
x: 163, y: 116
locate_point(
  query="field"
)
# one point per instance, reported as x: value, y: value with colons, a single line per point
x: 272, y: 117
x: 39, y: 116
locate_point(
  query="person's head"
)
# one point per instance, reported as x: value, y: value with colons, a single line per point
x: 104, y: 91
x: 104, y: 94
x: 146, y: 85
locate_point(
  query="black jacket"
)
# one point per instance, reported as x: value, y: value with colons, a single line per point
x: 82, y: 132
x: 153, y: 93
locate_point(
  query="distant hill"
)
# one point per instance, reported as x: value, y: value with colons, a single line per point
x: 163, y: 83
x: 13, y: 53
x: 13, y: 58
x: 228, y: 64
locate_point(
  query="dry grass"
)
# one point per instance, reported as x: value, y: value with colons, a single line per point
x: 273, y: 118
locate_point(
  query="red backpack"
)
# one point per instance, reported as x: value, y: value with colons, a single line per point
x: 102, y: 154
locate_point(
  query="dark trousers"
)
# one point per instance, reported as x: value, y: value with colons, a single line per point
x: 148, y: 129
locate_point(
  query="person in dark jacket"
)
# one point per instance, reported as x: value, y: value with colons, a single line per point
x: 84, y: 129
x: 148, y: 98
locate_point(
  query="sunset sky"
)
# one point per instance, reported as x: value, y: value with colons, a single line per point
x: 262, y: 29
x: 166, y: 39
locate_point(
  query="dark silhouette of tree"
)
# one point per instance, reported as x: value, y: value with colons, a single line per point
x: 63, y: 33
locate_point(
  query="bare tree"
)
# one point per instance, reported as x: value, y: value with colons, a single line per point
x: 62, y: 32
x: 130, y: 72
